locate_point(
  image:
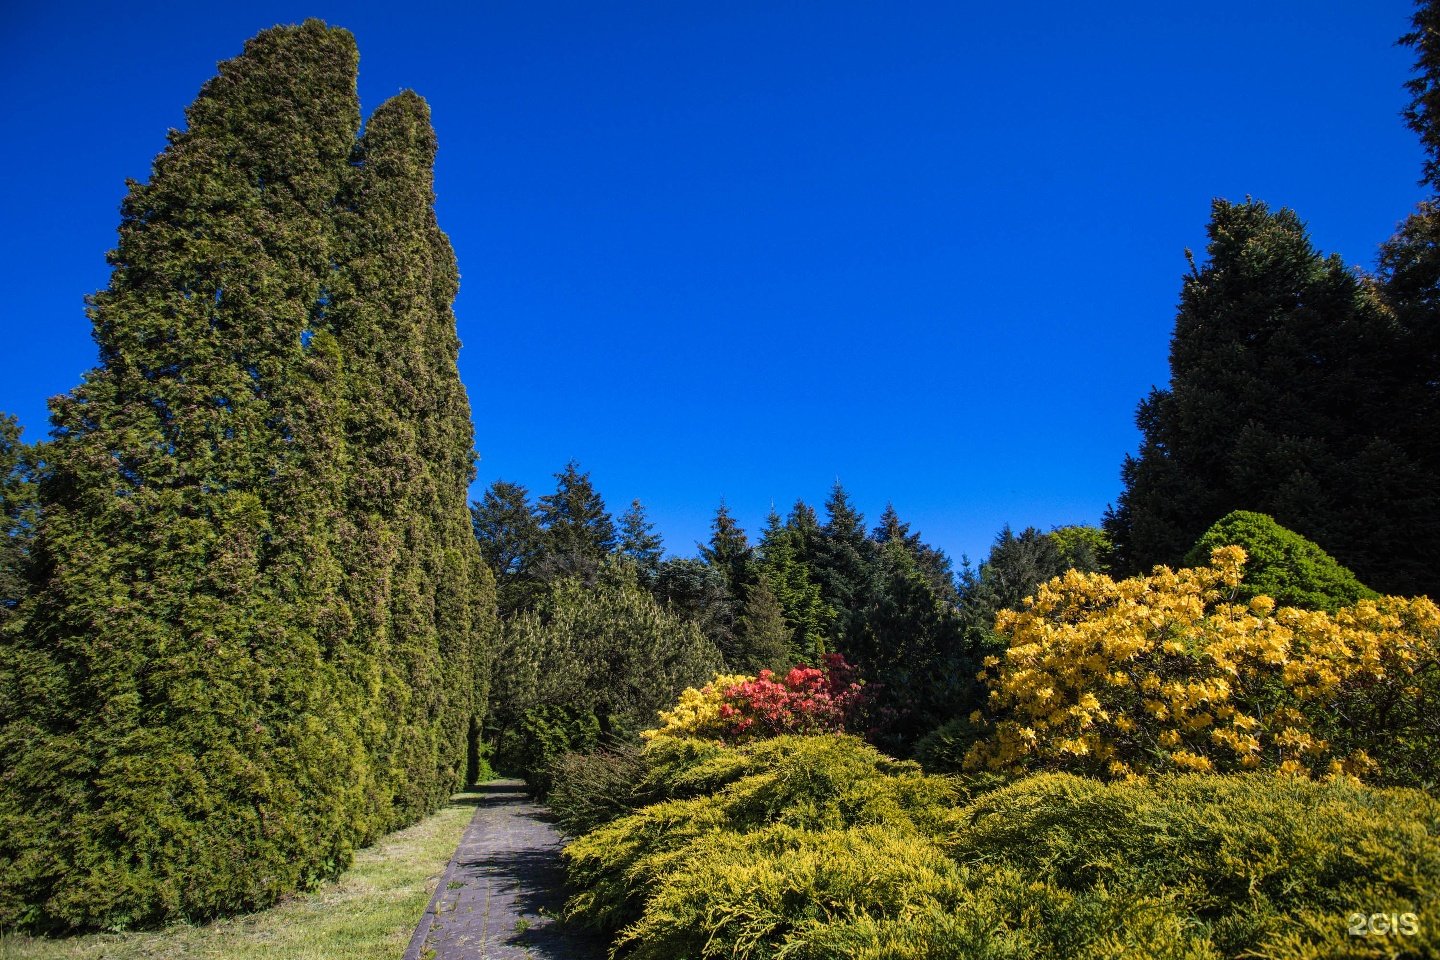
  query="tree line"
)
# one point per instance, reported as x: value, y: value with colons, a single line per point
x: 811, y: 583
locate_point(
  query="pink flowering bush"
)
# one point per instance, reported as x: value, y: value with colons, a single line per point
x: 805, y: 700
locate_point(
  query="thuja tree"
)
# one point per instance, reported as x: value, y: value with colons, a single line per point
x: 204, y: 707
x: 417, y: 585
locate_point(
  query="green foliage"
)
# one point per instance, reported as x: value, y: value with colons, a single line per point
x: 728, y: 552
x: 579, y: 531
x: 1289, y: 396
x: 1281, y: 564
x: 257, y: 641
x: 913, y: 649
x: 17, y: 515
x: 763, y: 633
x: 819, y: 847
x: 608, y: 651
x: 781, y: 562
x: 1087, y: 549
x: 539, y: 737
x: 511, y: 541
x: 590, y: 789
x: 639, y: 543
x: 806, y: 783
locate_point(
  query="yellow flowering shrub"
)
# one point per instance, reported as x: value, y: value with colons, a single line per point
x: 697, y: 714
x: 1171, y: 673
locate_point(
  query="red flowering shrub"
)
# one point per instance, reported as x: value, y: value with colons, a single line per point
x: 804, y: 700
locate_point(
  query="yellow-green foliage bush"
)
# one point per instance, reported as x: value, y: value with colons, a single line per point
x: 818, y: 847
x: 807, y: 783
x: 1166, y: 673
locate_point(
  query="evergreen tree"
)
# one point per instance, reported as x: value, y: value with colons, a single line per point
x: 782, y: 564
x: 1280, y: 401
x: 844, y: 565
x: 766, y: 640
x: 934, y: 563
x: 728, y: 552
x: 640, y: 544
x: 17, y: 515
x: 696, y: 592
x: 408, y: 538
x: 257, y: 641
x: 1017, y: 564
x: 607, y: 650
x: 578, y: 529
x: 913, y: 647
x: 1409, y: 277
x: 511, y: 541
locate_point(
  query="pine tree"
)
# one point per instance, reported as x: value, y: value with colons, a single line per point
x: 1280, y: 401
x: 640, y: 544
x: 578, y: 529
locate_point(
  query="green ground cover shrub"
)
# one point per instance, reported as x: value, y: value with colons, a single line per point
x: 821, y: 847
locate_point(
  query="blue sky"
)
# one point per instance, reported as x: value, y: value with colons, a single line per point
x: 741, y: 250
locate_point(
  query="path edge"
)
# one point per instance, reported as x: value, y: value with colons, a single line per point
x: 427, y: 919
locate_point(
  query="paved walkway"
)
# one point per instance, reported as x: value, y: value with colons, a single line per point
x: 499, y: 896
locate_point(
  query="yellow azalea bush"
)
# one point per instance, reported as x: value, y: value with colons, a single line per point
x: 1171, y: 672
x: 697, y: 714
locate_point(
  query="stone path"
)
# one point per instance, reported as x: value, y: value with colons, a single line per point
x: 499, y: 896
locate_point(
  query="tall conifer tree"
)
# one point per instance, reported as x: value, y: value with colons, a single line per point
x: 414, y: 569
x: 260, y: 586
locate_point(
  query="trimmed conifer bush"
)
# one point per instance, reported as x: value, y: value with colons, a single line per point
x: 1281, y: 564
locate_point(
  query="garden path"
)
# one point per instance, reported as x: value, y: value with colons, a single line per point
x: 499, y: 896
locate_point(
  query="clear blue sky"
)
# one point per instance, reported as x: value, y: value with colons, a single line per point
x: 739, y: 250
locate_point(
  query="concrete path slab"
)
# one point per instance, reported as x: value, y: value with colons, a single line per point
x: 503, y: 889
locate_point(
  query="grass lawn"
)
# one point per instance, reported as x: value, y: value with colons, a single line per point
x: 369, y: 912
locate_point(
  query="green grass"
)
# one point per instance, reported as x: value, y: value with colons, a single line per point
x: 369, y: 912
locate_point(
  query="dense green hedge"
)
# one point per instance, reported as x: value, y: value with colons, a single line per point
x: 820, y: 847
x: 254, y: 633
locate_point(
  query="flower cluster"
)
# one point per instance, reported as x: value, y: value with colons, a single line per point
x: 737, y: 707
x: 1169, y: 672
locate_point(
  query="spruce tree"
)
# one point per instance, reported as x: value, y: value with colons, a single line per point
x: 1282, y: 400
x: 844, y: 565
x: 511, y: 541
x: 640, y: 544
x: 728, y: 552
x: 765, y: 638
x: 781, y: 562
x: 579, y: 531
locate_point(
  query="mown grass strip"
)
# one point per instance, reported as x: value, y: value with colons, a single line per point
x: 367, y: 914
